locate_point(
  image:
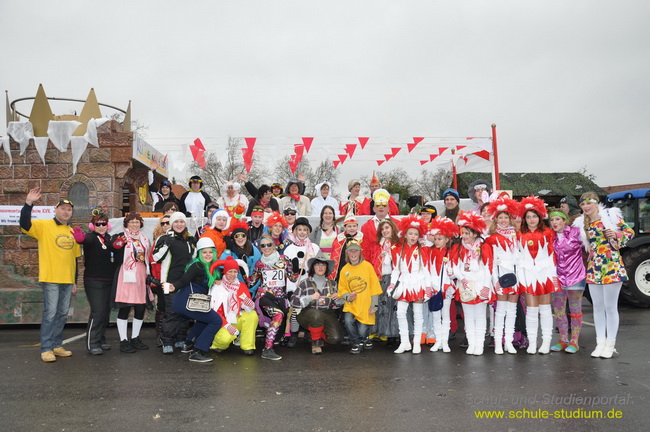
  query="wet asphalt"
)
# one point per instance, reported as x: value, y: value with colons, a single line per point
x: 374, y: 391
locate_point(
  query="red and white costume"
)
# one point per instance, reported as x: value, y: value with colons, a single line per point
x: 536, y: 271
x: 471, y: 266
x: 537, y: 274
x: 506, y: 252
x: 410, y: 282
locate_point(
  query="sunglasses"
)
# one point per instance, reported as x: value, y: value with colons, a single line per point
x: 101, y: 224
x: 240, y: 235
x: 196, y: 181
x: 164, y: 223
x: 265, y: 245
x: 290, y: 213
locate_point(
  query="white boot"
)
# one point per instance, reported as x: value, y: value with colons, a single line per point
x: 445, y: 346
x: 609, y: 349
x: 418, y: 322
x: 509, y: 327
x: 417, y: 347
x: 499, y: 322
x: 532, y: 324
x: 437, y: 329
x: 479, y: 342
x: 404, y: 345
x: 546, y: 346
x: 546, y: 324
x: 436, y: 346
x: 600, y: 347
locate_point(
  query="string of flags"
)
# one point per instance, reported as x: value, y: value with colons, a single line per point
x: 464, y: 154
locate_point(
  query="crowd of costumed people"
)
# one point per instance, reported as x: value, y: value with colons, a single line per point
x: 257, y: 274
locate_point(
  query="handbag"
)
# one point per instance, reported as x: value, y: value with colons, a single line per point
x: 435, y: 302
x: 507, y: 280
x: 467, y: 294
x: 197, y: 302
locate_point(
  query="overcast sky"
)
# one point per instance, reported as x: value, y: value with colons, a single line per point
x: 566, y: 82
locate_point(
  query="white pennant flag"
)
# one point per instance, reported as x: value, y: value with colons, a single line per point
x: 78, y: 146
x: 60, y: 133
x: 91, y: 131
x: 41, y: 146
x: 21, y: 132
x: 5, y: 145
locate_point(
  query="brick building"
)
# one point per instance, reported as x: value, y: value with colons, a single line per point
x: 107, y: 176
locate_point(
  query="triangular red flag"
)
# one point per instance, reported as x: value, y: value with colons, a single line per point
x: 388, y: 156
x: 484, y: 154
x: 441, y: 150
x: 292, y: 158
x: 248, y: 155
x: 336, y: 163
x: 307, y: 141
x: 460, y: 147
x: 363, y: 141
x: 199, y: 144
x: 417, y: 140
x: 395, y: 150
x: 250, y: 142
x: 343, y: 157
x: 196, y: 152
x: 201, y: 159
x: 432, y: 157
x: 422, y: 162
x: 248, y: 166
x: 299, y: 149
x: 350, y: 148
x: 379, y: 162
x: 292, y: 166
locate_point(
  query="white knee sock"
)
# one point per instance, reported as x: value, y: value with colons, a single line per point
x: 122, y: 324
x: 532, y: 323
x: 546, y: 321
x: 137, y: 325
x: 402, y: 322
x: 511, y: 317
x: 499, y: 321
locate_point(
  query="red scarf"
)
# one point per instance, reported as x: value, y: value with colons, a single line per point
x: 295, y: 197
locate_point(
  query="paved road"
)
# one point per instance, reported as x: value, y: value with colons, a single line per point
x: 377, y: 390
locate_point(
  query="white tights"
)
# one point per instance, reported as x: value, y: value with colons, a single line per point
x: 604, y: 299
x: 418, y: 321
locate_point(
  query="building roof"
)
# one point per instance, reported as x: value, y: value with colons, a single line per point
x: 541, y: 184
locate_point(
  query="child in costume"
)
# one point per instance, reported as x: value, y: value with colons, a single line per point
x: 471, y: 265
x: 503, y: 240
x: 232, y: 301
x: 443, y: 230
x: 536, y: 272
x: 410, y: 281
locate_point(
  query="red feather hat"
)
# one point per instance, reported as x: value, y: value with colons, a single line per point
x: 274, y: 218
x: 533, y: 203
x: 502, y: 205
x: 413, y: 221
x: 442, y: 225
x: 471, y: 220
x: 238, y: 225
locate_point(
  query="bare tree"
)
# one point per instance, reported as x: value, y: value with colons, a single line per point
x: 216, y: 172
x: 583, y: 171
x: 431, y: 184
x: 324, y: 171
x: 136, y: 126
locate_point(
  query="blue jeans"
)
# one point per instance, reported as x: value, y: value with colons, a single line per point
x: 356, y: 331
x: 56, y: 302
